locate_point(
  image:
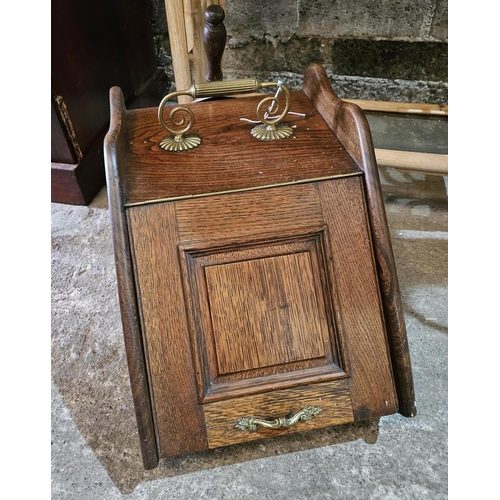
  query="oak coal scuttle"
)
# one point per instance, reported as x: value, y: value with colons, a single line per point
x: 257, y: 283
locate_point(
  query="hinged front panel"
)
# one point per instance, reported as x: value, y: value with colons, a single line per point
x: 264, y: 301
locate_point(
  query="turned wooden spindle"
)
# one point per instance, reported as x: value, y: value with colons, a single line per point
x: 214, y: 41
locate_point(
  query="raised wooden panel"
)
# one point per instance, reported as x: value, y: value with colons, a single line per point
x: 260, y: 315
x: 332, y: 397
x: 274, y: 316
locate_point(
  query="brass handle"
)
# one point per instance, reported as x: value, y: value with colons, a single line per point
x: 270, y: 129
x: 227, y: 87
x: 252, y: 423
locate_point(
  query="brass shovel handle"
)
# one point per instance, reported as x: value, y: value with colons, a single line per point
x: 253, y: 423
x: 181, y: 141
x: 227, y: 87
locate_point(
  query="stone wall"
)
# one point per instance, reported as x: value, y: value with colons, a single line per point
x: 393, y: 50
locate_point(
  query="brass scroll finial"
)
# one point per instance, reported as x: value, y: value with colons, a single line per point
x: 180, y: 140
x: 253, y: 423
x: 269, y: 128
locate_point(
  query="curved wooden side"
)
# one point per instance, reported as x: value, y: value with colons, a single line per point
x: 114, y: 159
x: 351, y: 127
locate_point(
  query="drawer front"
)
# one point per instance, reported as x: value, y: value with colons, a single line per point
x: 258, y: 305
x: 322, y: 405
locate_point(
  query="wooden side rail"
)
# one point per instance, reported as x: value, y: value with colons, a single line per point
x: 410, y: 108
x: 424, y: 163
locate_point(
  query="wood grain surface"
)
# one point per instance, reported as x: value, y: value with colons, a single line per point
x: 226, y: 220
x: 333, y: 397
x: 229, y: 158
x: 265, y: 312
x: 178, y: 415
x: 364, y: 334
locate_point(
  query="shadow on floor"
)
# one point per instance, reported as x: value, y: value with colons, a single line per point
x: 110, y: 431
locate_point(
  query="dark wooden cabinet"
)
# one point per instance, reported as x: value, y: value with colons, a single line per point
x: 257, y: 283
x: 95, y: 45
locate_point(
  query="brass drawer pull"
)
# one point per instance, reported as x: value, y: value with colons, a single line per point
x: 270, y: 127
x: 252, y: 423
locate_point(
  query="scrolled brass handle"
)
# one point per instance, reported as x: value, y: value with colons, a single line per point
x: 253, y: 423
x: 269, y: 129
